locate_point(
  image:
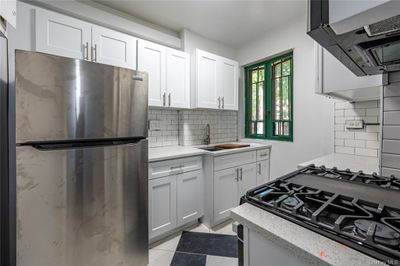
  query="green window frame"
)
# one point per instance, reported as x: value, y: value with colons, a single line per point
x: 269, y: 99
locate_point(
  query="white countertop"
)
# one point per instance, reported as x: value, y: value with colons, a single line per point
x: 343, y: 161
x: 298, y: 239
x: 173, y: 152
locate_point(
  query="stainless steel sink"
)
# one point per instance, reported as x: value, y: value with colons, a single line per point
x: 212, y: 148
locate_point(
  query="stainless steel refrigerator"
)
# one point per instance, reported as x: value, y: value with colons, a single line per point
x: 82, y: 156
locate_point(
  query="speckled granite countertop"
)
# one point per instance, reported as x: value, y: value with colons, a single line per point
x: 304, y: 242
x: 343, y: 161
x: 174, y: 152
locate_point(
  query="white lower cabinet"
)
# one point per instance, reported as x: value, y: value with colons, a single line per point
x: 162, y: 205
x: 176, y: 194
x: 229, y: 185
x: 225, y: 192
x: 228, y: 178
x: 189, y: 197
x: 262, y: 172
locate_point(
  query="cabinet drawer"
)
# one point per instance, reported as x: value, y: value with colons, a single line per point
x: 234, y: 160
x: 262, y: 154
x: 174, y: 167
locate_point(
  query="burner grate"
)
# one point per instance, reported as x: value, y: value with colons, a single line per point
x: 347, y: 215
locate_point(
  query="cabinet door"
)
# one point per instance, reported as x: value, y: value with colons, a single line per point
x: 190, y: 196
x: 248, y: 179
x: 206, y: 80
x: 178, y: 78
x: 162, y: 205
x: 62, y: 35
x: 228, y: 83
x: 113, y: 48
x: 225, y: 192
x: 262, y: 172
x: 151, y: 59
x: 8, y: 10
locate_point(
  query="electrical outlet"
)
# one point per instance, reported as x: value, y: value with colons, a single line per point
x: 154, y: 125
x: 354, y: 124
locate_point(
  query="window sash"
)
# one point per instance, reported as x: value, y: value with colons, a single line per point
x: 271, y: 123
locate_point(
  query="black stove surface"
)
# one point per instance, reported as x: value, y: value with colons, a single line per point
x: 358, y: 210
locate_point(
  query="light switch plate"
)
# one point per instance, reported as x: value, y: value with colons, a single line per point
x: 355, y: 124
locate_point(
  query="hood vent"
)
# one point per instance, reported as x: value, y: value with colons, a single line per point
x: 387, y: 26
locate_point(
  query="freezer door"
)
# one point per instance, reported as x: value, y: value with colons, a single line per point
x: 60, y: 98
x: 83, y: 207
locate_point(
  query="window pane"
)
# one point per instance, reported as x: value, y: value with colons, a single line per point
x: 254, y: 76
x: 277, y: 70
x: 286, y: 68
x: 260, y: 128
x: 285, y: 98
x: 261, y: 101
x: 254, y: 102
x: 261, y: 74
x: 277, y: 99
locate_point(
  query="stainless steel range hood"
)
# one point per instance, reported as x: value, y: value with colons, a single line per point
x: 363, y: 35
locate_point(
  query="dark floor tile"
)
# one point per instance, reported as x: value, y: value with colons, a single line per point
x: 209, y: 244
x: 185, y: 259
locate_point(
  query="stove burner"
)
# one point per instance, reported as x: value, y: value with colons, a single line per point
x: 383, y: 233
x: 290, y: 202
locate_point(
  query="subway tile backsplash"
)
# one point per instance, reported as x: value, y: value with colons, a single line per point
x: 364, y: 142
x: 187, y: 127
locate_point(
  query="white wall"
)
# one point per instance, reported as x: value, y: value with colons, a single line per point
x: 313, y: 114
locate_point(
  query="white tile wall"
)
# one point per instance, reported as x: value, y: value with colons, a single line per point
x: 167, y: 134
x: 192, y: 125
x: 187, y: 127
x: 363, y: 142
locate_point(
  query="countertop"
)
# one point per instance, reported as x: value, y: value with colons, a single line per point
x: 174, y: 152
x: 299, y: 240
x: 343, y: 161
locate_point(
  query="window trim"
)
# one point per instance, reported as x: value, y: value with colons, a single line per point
x: 268, y: 100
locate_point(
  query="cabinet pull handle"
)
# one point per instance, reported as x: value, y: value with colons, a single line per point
x: 169, y: 99
x: 241, y: 173
x: 237, y: 175
x: 264, y: 154
x: 86, y: 51
x: 176, y: 167
x: 95, y: 52
x: 259, y: 168
x: 223, y: 102
x: 163, y: 99
x: 219, y: 102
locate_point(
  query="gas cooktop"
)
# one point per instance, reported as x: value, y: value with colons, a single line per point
x: 359, y: 210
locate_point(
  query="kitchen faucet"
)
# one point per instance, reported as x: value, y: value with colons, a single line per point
x: 207, y: 138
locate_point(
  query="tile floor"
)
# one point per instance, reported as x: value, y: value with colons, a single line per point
x: 162, y: 252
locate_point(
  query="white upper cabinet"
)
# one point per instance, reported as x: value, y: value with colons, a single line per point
x: 113, y: 48
x: 169, y: 74
x: 62, y: 35
x: 178, y: 78
x: 206, y: 81
x: 8, y: 10
x: 228, y: 84
x: 151, y: 59
x: 216, y: 82
x: 66, y: 36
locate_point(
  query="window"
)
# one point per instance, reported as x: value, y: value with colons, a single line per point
x: 269, y: 99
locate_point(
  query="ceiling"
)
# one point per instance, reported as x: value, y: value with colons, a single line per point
x: 233, y: 23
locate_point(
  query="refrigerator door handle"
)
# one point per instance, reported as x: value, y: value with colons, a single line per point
x: 67, y: 145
